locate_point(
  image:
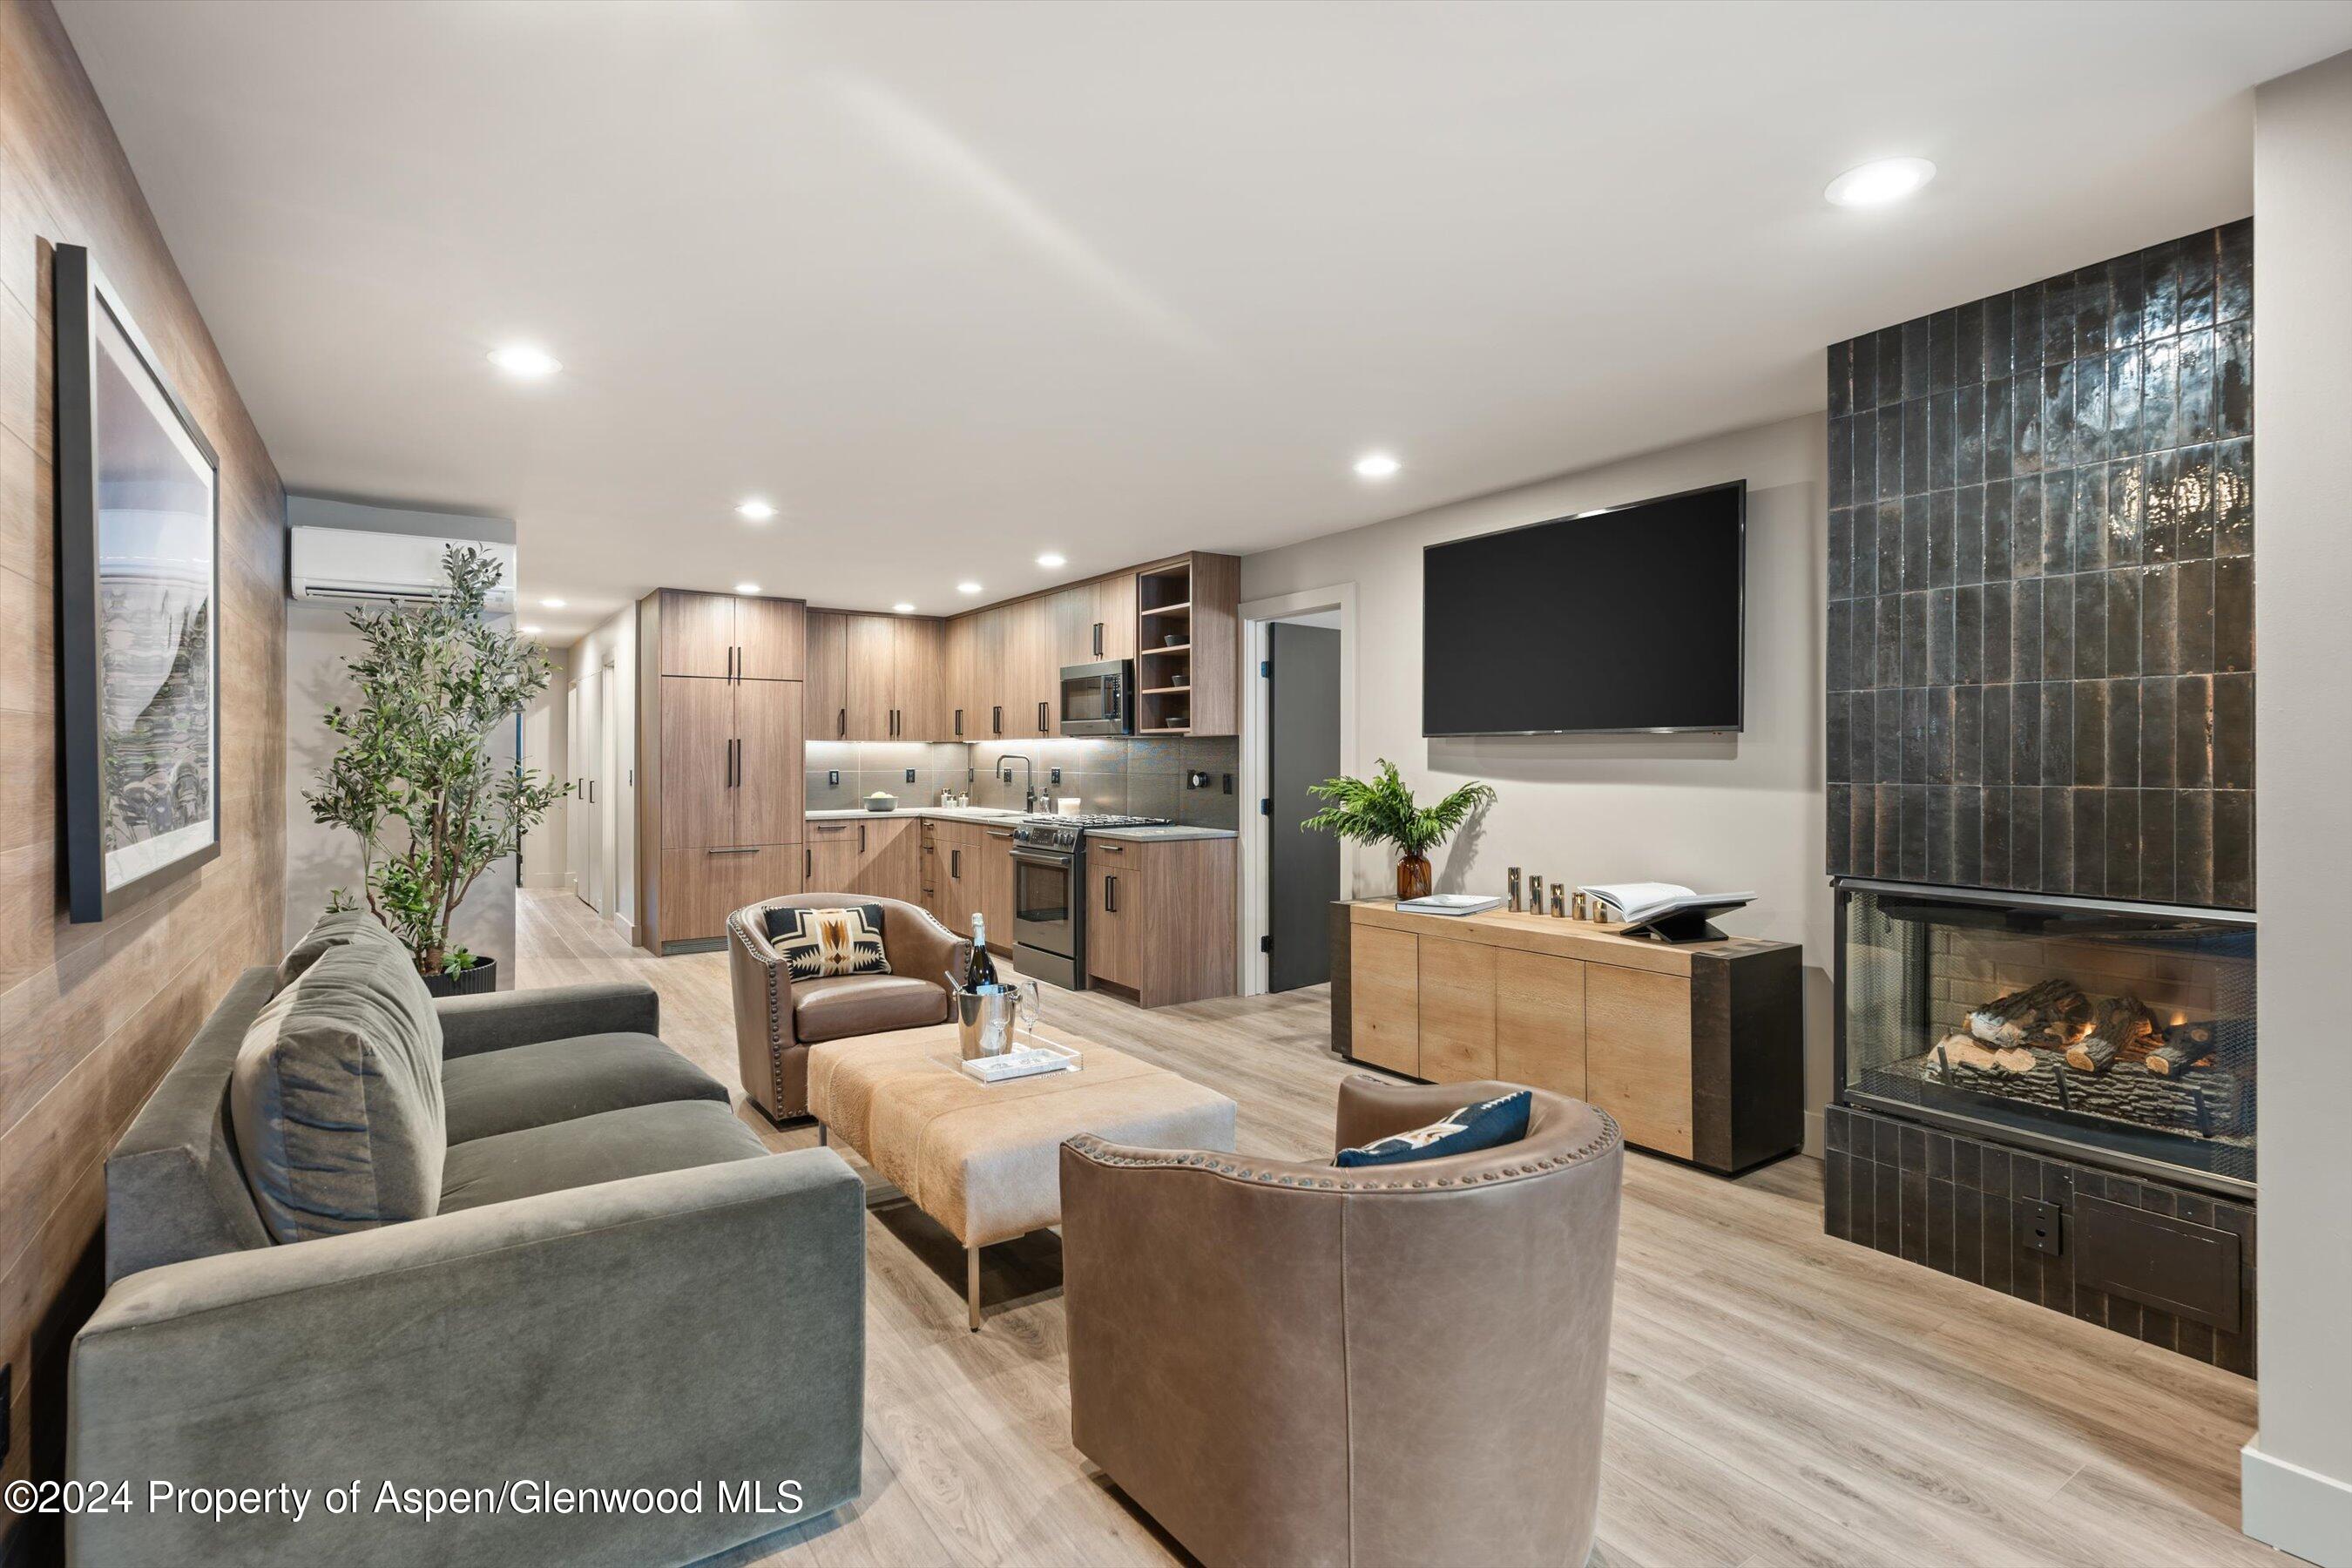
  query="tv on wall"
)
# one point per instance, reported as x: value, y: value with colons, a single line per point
x: 1629, y: 618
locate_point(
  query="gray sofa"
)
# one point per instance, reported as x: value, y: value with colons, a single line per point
x: 620, y: 1287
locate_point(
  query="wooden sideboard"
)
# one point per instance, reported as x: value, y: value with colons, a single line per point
x: 1696, y: 1048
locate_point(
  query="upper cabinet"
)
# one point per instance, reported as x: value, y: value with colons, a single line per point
x: 960, y: 643
x: 1114, y: 623
x: 1188, y: 647
x: 875, y: 678
x: 728, y: 636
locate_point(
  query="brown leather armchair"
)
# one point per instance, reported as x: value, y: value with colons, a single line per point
x: 1289, y: 1364
x: 776, y: 1020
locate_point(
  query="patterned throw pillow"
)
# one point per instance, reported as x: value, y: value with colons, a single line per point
x: 816, y: 944
x: 1489, y: 1124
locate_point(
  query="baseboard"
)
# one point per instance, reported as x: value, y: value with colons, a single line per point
x: 555, y: 880
x: 2295, y: 1509
x: 628, y: 929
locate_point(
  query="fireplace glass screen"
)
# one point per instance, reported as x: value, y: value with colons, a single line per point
x: 2119, y: 1033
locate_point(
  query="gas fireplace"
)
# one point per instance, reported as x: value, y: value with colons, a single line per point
x: 2116, y: 1033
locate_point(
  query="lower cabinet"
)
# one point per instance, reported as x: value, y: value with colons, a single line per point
x: 1159, y: 915
x: 994, y: 847
x: 1697, y: 1051
x: 881, y: 859
x: 700, y: 887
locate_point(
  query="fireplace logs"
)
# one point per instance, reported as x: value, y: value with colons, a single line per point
x: 2054, y: 1015
x: 1963, y: 1051
x: 2115, y: 1022
x: 2186, y: 1046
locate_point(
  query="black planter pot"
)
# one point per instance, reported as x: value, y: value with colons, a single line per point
x: 482, y: 977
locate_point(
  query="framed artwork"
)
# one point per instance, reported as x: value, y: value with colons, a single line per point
x: 138, y: 491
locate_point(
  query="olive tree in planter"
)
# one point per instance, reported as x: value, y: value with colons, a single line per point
x: 414, y: 776
x: 1381, y: 810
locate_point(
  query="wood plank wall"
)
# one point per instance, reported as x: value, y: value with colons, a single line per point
x: 89, y: 1015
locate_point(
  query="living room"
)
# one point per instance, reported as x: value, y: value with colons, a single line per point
x: 753, y: 817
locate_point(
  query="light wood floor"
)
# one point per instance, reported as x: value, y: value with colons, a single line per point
x: 1777, y: 1398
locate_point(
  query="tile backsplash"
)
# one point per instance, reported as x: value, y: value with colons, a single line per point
x: 2041, y: 586
x: 1143, y: 777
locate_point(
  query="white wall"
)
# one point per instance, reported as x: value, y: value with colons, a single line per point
x: 319, y: 639
x: 545, y: 747
x: 2298, y: 1470
x: 1715, y: 813
x: 614, y: 646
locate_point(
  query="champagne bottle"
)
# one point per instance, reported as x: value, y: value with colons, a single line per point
x: 980, y: 970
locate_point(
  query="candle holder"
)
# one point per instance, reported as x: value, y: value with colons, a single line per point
x: 1514, y: 877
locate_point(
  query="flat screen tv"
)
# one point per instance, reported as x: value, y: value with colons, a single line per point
x: 1626, y: 619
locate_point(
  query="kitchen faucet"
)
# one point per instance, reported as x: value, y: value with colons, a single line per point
x: 1005, y: 774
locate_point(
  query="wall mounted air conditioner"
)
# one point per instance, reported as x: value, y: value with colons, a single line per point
x: 354, y: 567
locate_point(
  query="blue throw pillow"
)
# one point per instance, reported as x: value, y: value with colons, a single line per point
x: 1489, y: 1124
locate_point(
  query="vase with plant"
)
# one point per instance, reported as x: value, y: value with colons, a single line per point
x: 415, y: 776
x: 1381, y: 810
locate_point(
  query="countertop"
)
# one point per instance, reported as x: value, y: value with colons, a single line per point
x: 943, y: 813
x: 1162, y: 834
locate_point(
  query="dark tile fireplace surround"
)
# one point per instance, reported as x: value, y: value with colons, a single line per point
x: 2041, y: 770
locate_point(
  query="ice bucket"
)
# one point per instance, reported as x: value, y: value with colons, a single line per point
x: 983, y: 1019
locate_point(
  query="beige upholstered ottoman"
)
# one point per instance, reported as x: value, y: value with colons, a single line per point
x: 984, y: 1160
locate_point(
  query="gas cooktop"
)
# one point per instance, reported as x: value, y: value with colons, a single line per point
x: 1091, y: 819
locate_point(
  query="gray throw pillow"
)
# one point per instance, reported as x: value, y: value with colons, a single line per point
x: 336, y: 1096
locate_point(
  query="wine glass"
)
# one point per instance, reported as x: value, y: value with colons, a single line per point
x: 1027, y: 1004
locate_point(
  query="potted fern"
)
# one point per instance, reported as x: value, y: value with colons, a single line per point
x: 414, y: 776
x: 1381, y: 810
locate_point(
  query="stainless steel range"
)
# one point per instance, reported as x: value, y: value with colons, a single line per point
x: 1049, y: 880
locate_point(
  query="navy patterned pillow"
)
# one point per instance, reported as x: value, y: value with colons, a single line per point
x: 1489, y: 1124
x: 816, y: 944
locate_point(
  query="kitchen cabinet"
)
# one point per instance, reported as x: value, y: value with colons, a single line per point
x: 699, y: 888
x: 1033, y: 668
x: 726, y: 789
x: 729, y: 637
x: 1115, y: 616
x: 1112, y: 946
x: 1188, y: 647
x: 995, y: 846
x: 1166, y: 913
x: 875, y: 678
x: 959, y: 642
x: 825, y: 693
x: 879, y: 859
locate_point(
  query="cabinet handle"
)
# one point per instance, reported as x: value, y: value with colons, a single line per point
x: 734, y: 849
x: 1041, y: 719
x: 808, y: 864
x: 1110, y: 895
x: 861, y: 839
x: 841, y: 724
x: 1111, y: 848
x: 959, y: 722
x: 996, y: 720
x: 1098, y: 627
x: 995, y: 833
x: 955, y: 864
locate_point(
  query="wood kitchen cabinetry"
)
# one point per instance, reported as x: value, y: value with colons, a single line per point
x: 719, y: 754
x: 880, y: 857
x: 971, y: 872
x: 1160, y: 917
x: 875, y: 678
x: 1696, y: 1048
x: 1188, y: 647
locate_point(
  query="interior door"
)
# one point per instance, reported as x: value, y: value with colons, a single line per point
x: 697, y: 633
x: 575, y: 809
x: 591, y: 753
x: 770, y: 787
x: 698, y: 763
x: 825, y: 690
x: 873, y: 656
x: 1302, y: 749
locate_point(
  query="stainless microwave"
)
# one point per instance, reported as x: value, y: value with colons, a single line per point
x: 1098, y: 699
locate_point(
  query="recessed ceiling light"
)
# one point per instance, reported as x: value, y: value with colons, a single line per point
x: 531, y: 631
x: 747, y: 587
x: 525, y: 359
x: 904, y: 609
x: 550, y: 604
x: 1376, y: 465
x: 756, y: 509
x: 1052, y: 559
x: 1876, y: 184
x: 967, y: 587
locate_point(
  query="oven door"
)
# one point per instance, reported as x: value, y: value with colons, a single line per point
x: 1094, y: 698
x: 1044, y: 917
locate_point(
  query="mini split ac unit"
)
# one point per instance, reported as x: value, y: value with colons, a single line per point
x: 348, y: 565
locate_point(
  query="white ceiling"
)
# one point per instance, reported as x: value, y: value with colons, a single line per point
x: 955, y: 284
